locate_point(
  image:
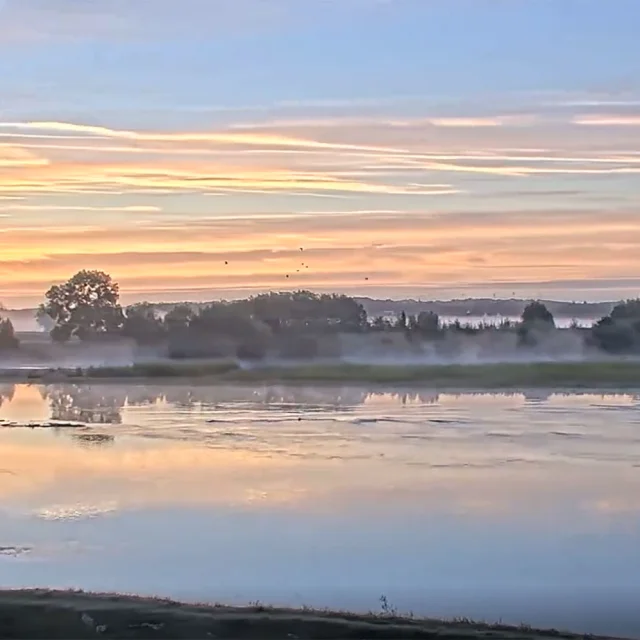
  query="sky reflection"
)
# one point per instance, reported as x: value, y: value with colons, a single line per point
x: 269, y: 492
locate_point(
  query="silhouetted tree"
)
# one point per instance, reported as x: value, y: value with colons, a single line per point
x: 143, y: 324
x: 86, y: 306
x: 613, y: 337
x: 619, y: 332
x: 179, y: 318
x: 426, y: 324
x: 629, y: 310
x: 537, y: 314
x: 8, y: 338
x: 303, y: 309
x: 536, y: 320
x: 380, y: 323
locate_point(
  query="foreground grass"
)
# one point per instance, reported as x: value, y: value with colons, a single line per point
x: 63, y: 614
x: 596, y: 374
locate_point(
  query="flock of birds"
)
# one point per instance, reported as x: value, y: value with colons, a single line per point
x: 302, y: 264
x: 306, y: 266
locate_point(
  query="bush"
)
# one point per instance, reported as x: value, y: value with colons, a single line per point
x: 8, y: 339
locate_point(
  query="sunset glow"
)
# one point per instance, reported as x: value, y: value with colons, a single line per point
x: 194, y: 162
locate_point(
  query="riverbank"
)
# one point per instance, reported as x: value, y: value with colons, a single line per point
x: 35, y: 614
x: 618, y: 374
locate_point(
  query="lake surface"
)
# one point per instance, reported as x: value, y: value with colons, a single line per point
x: 521, y: 507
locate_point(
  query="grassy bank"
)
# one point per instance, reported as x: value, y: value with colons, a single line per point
x: 607, y: 374
x: 61, y: 614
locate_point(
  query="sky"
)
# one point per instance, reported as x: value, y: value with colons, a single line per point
x: 204, y: 149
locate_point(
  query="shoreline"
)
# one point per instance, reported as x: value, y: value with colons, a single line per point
x: 40, y: 613
x: 595, y: 374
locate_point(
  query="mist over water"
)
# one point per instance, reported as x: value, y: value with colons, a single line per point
x: 565, y: 345
x: 519, y: 506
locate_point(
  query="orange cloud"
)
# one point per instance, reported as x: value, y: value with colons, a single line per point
x: 249, y: 139
x: 356, y: 250
x: 15, y: 156
x: 381, y: 168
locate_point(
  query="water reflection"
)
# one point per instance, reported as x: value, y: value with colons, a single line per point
x: 158, y: 488
x: 89, y: 405
x: 103, y: 404
x: 6, y: 393
x: 322, y: 445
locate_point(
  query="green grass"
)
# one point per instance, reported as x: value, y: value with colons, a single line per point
x: 461, y: 376
x: 608, y: 373
x: 164, y: 369
x: 34, y: 614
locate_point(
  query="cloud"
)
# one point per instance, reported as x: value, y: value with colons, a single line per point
x: 341, y: 251
x: 614, y: 120
x: 26, y: 21
x: 382, y: 160
x: 338, y: 122
x: 221, y: 138
x: 87, y: 208
x: 410, y: 203
x: 164, y: 178
x: 15, y: 156
x: 62, y: 20
x: 465, y: 122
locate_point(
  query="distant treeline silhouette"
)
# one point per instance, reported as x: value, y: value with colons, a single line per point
x: 298, y: 324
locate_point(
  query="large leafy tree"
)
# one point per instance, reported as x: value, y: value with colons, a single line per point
x: 619, y: 332
x: 536, y: 313
x: 304, y: 310
x: 86, y: 306
x: 143, y: 324
x: 536, y: 321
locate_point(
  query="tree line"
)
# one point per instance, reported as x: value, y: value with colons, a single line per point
x: 87, y: 308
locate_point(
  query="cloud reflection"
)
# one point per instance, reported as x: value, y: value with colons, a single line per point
x: 150, y: 447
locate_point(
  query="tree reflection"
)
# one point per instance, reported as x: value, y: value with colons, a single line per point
x: 103, y: 404
x: 536, y: 395
x: 308, y: 398
x: 7, y: 391
x: 410, y: 397
x: 86, y: 404
x: 142, y: 395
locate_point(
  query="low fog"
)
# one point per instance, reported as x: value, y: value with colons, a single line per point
x: 487, y: 345
x: 82, y: 324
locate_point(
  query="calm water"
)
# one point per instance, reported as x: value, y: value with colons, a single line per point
x: 523, y: 507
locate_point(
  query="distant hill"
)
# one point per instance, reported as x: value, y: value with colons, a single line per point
x: 24, y: 319
x: 478, y: 307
